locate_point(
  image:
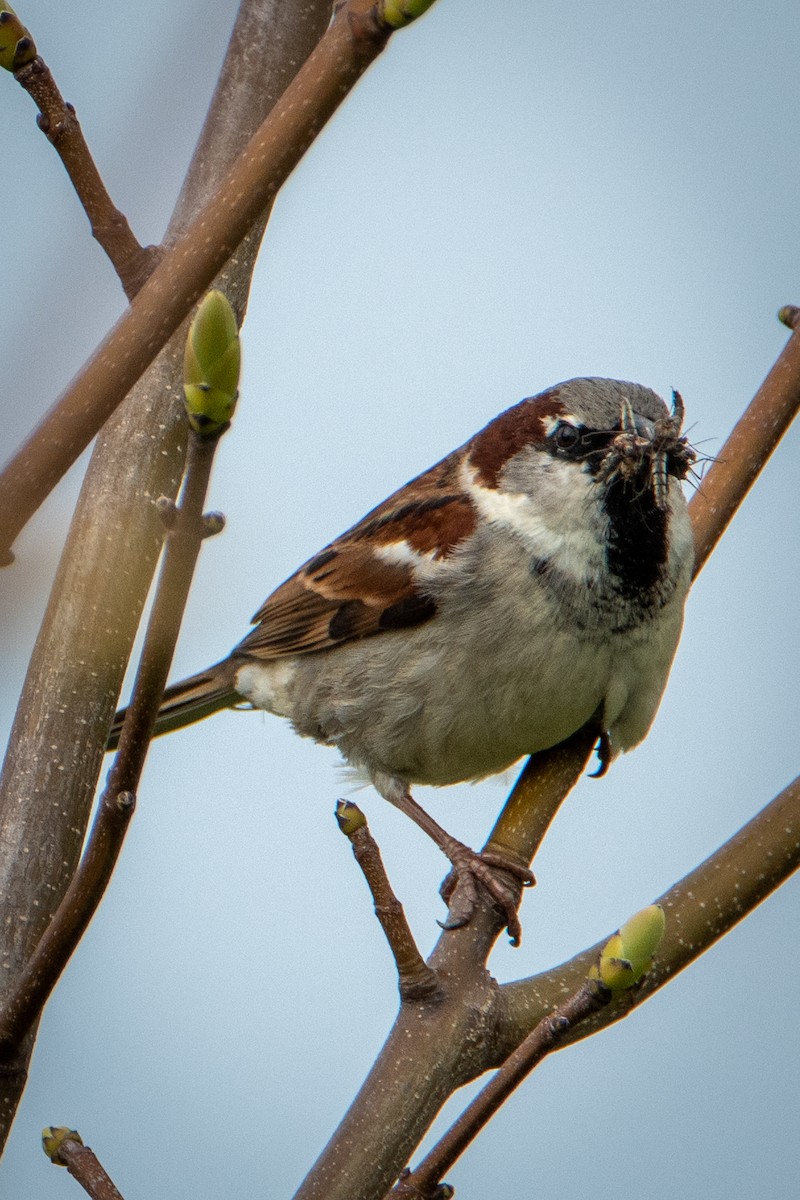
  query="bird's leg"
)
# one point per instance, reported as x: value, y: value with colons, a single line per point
x: 459, y: 890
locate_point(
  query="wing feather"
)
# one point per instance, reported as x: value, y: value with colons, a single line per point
x: 353, y: 588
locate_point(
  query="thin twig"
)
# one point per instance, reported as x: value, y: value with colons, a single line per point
x: 187, y: 529
x: 26, y: 1000
x: 547, y: 1036
x: 416, y: 980
x: 29, y: 995
x: 59, y: 123
x: 357, y: 35
x: 82, y: 1163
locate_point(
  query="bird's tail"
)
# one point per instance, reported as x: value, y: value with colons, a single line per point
x: 188, y: 701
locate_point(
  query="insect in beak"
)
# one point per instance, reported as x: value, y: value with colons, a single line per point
x: 656, y: 446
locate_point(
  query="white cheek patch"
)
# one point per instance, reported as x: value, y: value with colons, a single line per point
x: 557, y: 529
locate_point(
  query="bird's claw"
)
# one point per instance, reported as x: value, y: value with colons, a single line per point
x: 460, y: 889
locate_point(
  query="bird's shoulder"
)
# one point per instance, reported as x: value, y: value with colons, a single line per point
x: 371, y: 579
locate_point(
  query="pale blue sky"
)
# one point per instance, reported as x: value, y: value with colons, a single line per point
x: 515, y: 194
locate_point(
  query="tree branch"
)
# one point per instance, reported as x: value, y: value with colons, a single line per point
x: 700, y: 909
x: 59, y: 123
x: 751, y: 442
x: 186, y: 533
x: 57, y: 743
x: 356, y: 37
x: 416, y: 980
x: 548, y: 1035
x: 65, y: 1148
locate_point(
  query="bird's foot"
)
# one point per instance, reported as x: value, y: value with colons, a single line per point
x: 491, y: 869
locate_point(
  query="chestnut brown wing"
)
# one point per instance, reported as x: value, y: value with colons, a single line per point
x: 353, y: 588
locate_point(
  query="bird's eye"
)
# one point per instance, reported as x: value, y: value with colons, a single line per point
x: 566, y: 436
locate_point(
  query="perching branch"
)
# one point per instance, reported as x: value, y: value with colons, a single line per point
x: 755, y: 436
x: 359, y: 32
x: 59, y: 123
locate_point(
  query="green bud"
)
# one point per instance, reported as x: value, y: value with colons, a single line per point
x: 16, y: 44
x: 398, y: 13
x: 53, y: 1139
x: 349, y: 817
x: 628, y: 955
x: 211, y: 365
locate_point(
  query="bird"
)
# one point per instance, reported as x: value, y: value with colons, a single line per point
x: 528, y: 584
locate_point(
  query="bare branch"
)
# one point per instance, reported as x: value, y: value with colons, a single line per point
x: 59, y: 123
x: 43, y: 970
x: 187, y: 531
x: 548, y: 1035
x: 65, y: 1148
x: 700, y: 909
x: 415, y: 979
x: 356, y: 37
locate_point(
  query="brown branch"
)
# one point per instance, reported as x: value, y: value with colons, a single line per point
x: 65, y: 1148
x: 700, y: 909
x: 754, y: 437
x: 416, y: 980
x: 186, y: 532
x: 73, y: 682
x: 352, y: 42
x: 548, y: 1035
x: 59, y: 123
x: 33, y: 988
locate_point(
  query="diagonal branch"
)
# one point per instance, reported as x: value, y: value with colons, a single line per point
x: 754, y: 437
x: 65, y: 1148
x: 700, y: 909
x: 60, y: 125
x: 549, y: 1034
x: 186, y: 533
x: 415, y: 979
x: 356, y: 37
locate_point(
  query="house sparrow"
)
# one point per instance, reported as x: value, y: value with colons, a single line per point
x: 531, y: 582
